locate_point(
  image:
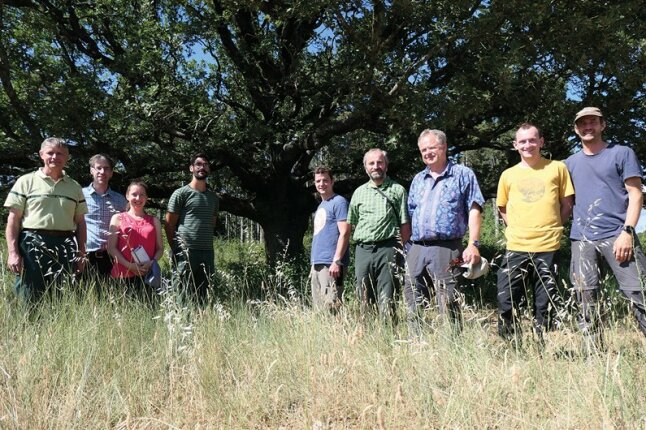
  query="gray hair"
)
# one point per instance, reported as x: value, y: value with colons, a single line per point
x: 384, y: 153
x: 440, y: 136
x: 54, y: 141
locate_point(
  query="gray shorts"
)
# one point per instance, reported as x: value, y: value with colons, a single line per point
x: 587, y: 257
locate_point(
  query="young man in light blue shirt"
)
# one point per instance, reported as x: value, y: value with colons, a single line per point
x: 102, y: 203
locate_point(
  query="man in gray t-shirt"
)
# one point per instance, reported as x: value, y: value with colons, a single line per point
x: 608, y: 199
x: 192, y: 210
x: 330, y: 257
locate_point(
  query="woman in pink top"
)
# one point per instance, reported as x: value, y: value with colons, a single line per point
x: 132, y: 229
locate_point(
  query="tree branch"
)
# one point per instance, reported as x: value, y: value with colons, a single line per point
x: 253, y: 82
x: 237, y: 206
x: 12, y: 95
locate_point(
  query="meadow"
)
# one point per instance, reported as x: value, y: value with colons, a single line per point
x: 259, y: 357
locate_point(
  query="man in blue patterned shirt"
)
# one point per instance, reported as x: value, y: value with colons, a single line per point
x: 102, y: 203
x: 444, y: 200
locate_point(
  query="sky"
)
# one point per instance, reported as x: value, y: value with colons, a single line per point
x: 641, y: 225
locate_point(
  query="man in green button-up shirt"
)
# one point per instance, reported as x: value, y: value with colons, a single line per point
x: 379, y: 219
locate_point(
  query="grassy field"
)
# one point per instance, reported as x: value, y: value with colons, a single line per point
x: 260, y: 358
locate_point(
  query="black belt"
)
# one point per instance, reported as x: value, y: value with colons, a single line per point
x: 55, y: 233
x: 385, y: 242
x: 433, y: 242
x: 98, y: 254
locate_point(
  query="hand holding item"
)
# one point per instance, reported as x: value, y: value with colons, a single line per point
x: 476, y: 270
x: 471, y: 254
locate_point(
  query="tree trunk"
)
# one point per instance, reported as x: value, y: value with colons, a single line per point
x: 284, y: 215
x: 283, y: 238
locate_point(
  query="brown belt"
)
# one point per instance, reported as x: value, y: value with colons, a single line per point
x: 56, y: 233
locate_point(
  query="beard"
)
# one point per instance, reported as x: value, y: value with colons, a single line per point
x: 377, y: 174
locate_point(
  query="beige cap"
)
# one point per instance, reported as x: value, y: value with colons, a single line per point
x: 588, y: 111
x: 476, y: 270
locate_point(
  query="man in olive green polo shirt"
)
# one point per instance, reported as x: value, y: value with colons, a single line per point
x: 46, y: 224
x: 379, y: 218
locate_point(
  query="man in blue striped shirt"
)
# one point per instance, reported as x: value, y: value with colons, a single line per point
x: 444, y: 200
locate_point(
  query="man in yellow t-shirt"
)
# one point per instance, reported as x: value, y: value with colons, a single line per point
x: 534, y: 198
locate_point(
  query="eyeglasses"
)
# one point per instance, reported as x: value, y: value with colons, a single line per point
x: 200, y: 164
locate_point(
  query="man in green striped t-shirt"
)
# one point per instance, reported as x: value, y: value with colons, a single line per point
x: 379, y: 218
x: 190, y: 220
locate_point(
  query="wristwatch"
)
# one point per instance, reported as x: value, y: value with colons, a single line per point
x: 338, y: 262
x: 476, y: 243
x: 629, y: 229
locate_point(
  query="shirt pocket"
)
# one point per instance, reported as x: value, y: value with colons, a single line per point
x: 449, y: 195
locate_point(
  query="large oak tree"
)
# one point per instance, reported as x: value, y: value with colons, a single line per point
x: 267, y: 88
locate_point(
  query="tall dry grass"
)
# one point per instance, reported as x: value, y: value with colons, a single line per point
x: 100, y: 364
x: 81, y: 362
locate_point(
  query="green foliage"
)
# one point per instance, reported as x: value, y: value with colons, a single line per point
x: 244, y: 274
x: 269, y: 88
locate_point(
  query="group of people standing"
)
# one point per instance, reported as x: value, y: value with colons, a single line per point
x: 55, y: 228
x: 600, y: 185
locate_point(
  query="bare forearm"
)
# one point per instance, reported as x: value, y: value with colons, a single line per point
x: 170, y: 234
x: 159, y: 254
x: 502, y: 210
x: 81, y: 236
x: 113, y: 241
x: 566, y: 208
x: 623, y: 245
x: 12, y: 233
x: 170, y: 225
x: 14, y: 261
x: 635, y: 203
x: 342, y: 242
x: 118, y: 256
x: 475, y: 224
x: 159, y: 243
